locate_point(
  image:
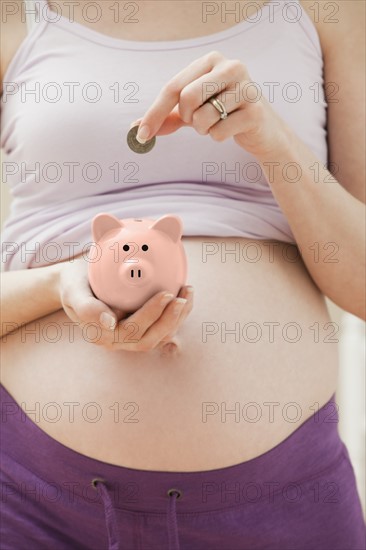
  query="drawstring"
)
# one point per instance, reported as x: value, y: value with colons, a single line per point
x: 111, y: 520
x: 173, y: 495
x: 110, y: 515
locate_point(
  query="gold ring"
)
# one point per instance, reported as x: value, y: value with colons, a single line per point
x: 219, y: 106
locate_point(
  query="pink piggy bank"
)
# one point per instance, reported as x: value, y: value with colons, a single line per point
x: 133, y: 259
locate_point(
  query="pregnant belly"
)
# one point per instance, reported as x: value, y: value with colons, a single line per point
x: 256, y: 357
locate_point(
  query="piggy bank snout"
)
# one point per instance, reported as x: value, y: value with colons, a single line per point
x: 136, y: 273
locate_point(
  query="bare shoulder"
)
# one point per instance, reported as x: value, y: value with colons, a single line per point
x: 13, y: 32
x: 341, y: 29
x: 336, y: 19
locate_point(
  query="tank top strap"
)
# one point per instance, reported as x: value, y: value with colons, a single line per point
x: 33, y: 10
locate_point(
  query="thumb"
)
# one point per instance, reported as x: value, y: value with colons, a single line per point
x: 92, y: 310
x: 108, y: 320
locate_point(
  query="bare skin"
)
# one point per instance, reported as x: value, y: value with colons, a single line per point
x: 179, y: 399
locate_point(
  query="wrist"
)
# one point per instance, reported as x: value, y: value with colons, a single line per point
x: 52, y: 275
x: 284, y: 149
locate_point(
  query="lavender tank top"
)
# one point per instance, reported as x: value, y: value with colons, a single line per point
x: 70, y: 95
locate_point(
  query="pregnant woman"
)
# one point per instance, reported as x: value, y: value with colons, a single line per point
x: 214, y: 426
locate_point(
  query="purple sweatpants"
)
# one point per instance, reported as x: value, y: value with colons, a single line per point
x: 299, y: 495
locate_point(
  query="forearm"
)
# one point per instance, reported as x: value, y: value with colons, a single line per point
x: 27, y: 295
x: 320, y: 212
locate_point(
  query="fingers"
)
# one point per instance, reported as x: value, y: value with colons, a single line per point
x: 237, y: 97
x: 140, y: 331
x: 171, y: 124
x: 183, y: 101
x: 241, y: 121
x: 150, y: 311
x: 169, y: 96
x: 227, y: 75
x: 187, y: 293
x: 163, y: 325
x: 150, y: 324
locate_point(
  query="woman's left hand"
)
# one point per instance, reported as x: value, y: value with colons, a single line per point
x: 251, y: 121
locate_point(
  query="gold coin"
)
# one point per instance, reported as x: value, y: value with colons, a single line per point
x: 137, y: 147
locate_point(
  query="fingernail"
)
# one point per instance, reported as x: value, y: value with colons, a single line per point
x: 107, y: 321
x: 166, y: 298
x: 143, y: 134
x: 179, y: 304
x: 189, y: 289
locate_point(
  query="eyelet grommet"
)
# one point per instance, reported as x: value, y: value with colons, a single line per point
x: 95, y: 481
x: 173, y: 491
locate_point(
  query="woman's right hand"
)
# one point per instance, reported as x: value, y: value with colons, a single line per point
x: 153, y: 324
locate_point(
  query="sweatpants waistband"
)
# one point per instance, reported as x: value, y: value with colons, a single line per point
x: 311, y: 449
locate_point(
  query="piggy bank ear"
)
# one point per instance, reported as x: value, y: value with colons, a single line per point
x: 102, y: 223
x: 169, y: 224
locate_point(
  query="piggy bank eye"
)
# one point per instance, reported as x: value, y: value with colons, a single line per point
x: 145, y: 247
x: 126, y: 247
